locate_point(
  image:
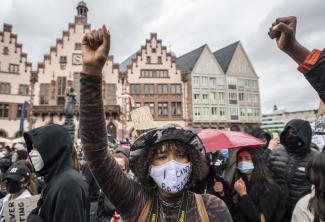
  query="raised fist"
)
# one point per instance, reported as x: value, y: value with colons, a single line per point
x: 95, y: 49
x: 284, y: 31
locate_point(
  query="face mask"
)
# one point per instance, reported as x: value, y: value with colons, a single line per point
x: 293, y: 141
x: 14, y: 157
x: 245, y: 167
x: 37, y: 160
x: 13, y: 187
x: 171, y: 176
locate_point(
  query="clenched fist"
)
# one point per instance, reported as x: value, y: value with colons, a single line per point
x: 284, y: 31
x: 95, y: 49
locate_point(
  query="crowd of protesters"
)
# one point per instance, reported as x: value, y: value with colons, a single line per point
x: 165, y: 174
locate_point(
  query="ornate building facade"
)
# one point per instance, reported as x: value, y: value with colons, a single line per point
x: 199, y: 89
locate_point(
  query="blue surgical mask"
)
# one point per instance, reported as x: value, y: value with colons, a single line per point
x: 245, y: 167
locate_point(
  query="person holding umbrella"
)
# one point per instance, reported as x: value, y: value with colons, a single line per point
x: 258, y: 197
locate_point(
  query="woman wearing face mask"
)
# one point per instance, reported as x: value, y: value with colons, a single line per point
x: 169, y: 160
x: 258, y: 197
x: 17, y: 180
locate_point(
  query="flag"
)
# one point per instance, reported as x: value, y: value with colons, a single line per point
x: 24, y: 109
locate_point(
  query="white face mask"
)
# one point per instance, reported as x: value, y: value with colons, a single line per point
x: 36, y: 159
x: 171, y: 176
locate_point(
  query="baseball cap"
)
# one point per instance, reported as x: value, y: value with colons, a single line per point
x: 17, y: 172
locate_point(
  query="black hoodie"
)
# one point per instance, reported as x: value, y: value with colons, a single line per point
x: 288, y: 164
x: 65, y: 194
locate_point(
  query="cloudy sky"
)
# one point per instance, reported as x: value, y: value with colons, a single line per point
x: 185, y: 25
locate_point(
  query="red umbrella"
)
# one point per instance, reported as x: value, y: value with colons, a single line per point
x: 214, y: 140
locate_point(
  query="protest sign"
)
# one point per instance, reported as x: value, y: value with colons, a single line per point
x: 18, y: 210
x: 142, y: 118
x: 320, y: 126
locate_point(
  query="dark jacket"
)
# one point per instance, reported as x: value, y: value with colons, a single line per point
x: 288, y: 165
x: 266, y: 200
x: 64, y: 198
x: 316, y: 76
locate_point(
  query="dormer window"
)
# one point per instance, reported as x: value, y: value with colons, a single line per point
x: 5, y: 51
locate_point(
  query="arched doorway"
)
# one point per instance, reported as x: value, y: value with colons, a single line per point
x: 111, y: 130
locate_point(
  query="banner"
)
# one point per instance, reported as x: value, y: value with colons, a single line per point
x: 142, y: 118
x: 18, y: 210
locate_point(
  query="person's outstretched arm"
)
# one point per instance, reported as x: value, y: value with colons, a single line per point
x: 312, y: 64
x: 121, y: 191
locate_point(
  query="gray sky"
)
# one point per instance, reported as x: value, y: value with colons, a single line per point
x: 185, y: 25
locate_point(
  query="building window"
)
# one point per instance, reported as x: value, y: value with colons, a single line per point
x: 159, y: 61
x: 20, y: 107
x: 148, y: 60
x: 214, y: 111
x: 197, y: 111
x: 151, y: 107
x: 241, y: 96
x: 61, y: 86
x: 176, y: 108
x: 5, y: 51
x: 153, y: 50
x: 256, y: 112
x: 213, y: 83
x: 249, y: 112
x: 77, y: 46
x: 163, y: 109
x: 146, y: 73
x: 222, y: 111
x: 23, y: 90
x: 205, y: 112
x: 232, y: 96
x: 149, y: 89
x: 5, y: 88
x: 162, y: 89
x: 233, y: 113
x: 44, y: 93
x: 162, y: 74
x: 205, y: 97
x: 221, y: 96
x: 61, y: 101
x: 111, y: 94
x: 175, y: 89
x: 63, y: 59
x: 197, y: 96
x: 196, y: 81
x: 4, y: 109
x: 137, y: 104
x: 135, y: 89
x: 213, y: 97
x: 242, y: 112
x: 205, y: 82
x: 13, y: 68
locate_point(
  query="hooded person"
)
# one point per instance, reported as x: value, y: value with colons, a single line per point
x: 64, y: 197
x: 289, y: 161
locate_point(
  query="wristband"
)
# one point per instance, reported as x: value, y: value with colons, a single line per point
x: 310, y: 61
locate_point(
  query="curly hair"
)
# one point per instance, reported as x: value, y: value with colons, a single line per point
x: 141, y: 163
x: 315, y: 172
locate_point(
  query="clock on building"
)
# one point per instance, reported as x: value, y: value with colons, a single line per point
x: 76, y: 59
